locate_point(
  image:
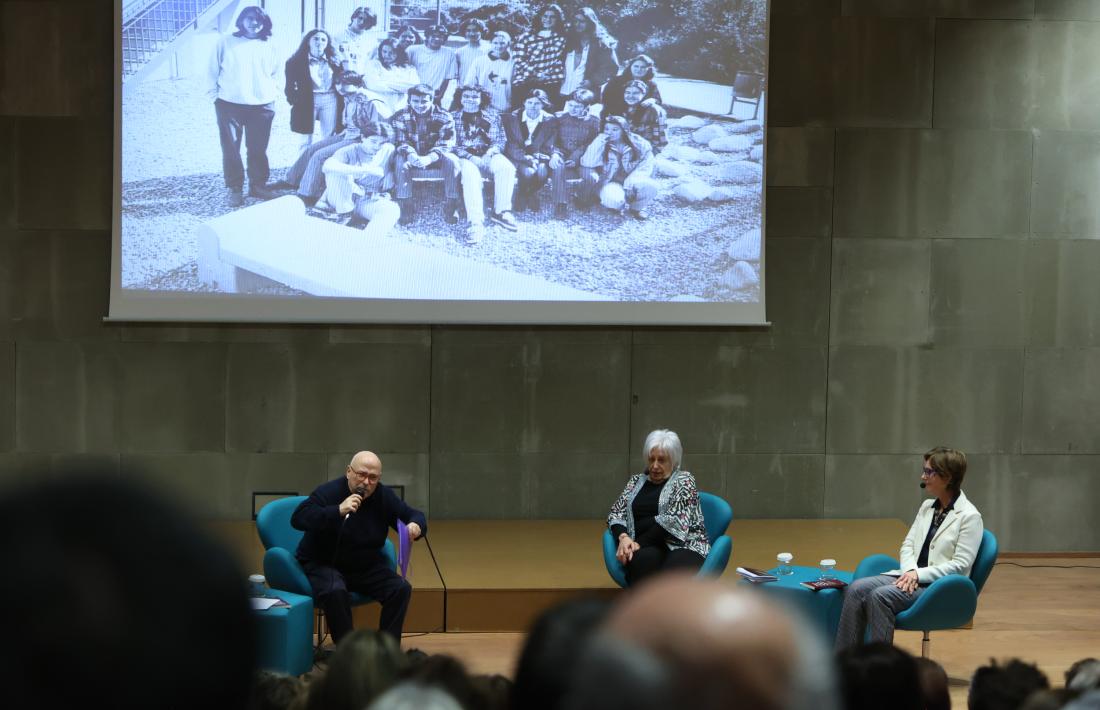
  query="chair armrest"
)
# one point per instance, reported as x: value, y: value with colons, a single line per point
x: 947, y: 603
x: 875, y: 564
x: 284, y: 572
x: 614, y: 567
x: 718, y: 558
x: 390, y: 554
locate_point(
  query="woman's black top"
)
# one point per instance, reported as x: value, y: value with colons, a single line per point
x: 647, y: 531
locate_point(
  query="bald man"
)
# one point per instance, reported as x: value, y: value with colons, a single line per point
x: 346, y: 522
x: 726, y: 646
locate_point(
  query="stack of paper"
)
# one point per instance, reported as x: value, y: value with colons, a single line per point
x: 264, y: 603
x: 756, y: 575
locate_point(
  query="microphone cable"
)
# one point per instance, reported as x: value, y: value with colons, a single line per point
x: 442, y: 581
x: 322, y: 633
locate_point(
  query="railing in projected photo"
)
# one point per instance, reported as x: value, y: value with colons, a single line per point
x: 151, y: 26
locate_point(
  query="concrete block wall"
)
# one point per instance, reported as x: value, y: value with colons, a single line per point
x: 933, y: 223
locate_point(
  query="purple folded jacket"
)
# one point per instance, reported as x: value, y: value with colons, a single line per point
x: 404, y: 548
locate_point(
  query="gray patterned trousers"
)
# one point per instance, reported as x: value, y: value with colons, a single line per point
x: 870, y: 606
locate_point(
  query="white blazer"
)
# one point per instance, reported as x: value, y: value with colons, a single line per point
x: 954, y: 546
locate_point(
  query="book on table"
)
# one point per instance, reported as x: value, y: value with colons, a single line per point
x: 818, y: 584
x: 754, y: 574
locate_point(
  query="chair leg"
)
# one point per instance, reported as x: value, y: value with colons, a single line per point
x: 320, y: 628
x: 925, y: 643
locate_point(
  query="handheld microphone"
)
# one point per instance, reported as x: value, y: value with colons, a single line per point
x: 360, y: 491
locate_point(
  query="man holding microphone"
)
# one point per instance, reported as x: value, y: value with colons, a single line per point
x: 346, y: 521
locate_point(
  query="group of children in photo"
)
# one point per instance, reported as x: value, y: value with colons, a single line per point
x: 551, y: 105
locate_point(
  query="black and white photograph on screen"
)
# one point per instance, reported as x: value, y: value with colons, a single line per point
x: 602, y: 150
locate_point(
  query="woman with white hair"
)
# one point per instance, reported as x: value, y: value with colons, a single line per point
x: 657, y: 521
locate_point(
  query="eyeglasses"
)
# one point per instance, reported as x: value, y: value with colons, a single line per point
x: 928, y: 471
x: 372, y: 477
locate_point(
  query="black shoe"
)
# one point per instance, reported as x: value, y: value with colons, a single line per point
x: 450, y: 211
x: 282, y: 185
x: 561, y: 211
x: 504, y: 219
x: 261, y: 192
x: 236, y: 197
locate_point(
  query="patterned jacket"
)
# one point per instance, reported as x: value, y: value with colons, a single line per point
x: 649, y: 120
x: 539, y: 59
x: 475, y: 138
x: 678, y: 511
x: 436, y: 134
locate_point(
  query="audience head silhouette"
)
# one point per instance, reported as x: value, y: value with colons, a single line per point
x: 933, y: 685
x: 552, y: 653
x: 1004, y: 687
x: 878, y: 674
x: 364, y: 665
x: 720, y: 642
x: 115, y: 596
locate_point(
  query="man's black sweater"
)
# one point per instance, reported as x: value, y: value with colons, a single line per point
x: 355, y: 543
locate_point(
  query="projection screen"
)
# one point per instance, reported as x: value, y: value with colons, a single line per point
x: 440, y: 162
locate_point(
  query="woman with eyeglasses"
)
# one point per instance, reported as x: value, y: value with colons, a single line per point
x: 943, y: 540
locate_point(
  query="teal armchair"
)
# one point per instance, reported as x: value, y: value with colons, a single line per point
x: 717, y: 516
x: 947, y: 603
x: 280, y: 542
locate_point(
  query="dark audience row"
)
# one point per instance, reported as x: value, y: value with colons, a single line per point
x: 567, y: 664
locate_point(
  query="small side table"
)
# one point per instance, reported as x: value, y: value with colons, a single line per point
x: 820, y: 608
x: 285, y: 634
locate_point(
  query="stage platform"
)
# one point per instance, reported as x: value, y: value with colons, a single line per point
x: 497, y: 575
